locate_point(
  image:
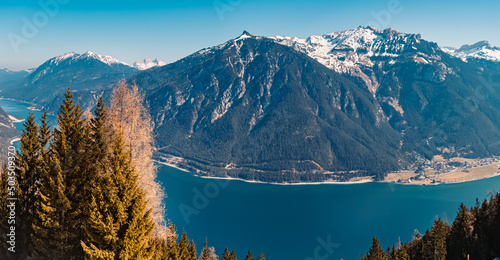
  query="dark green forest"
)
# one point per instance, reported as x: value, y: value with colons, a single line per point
x: 77, y: 196
x: 474, y: 234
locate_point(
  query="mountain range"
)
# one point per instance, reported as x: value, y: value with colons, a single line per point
x: 90, y: 74
x: 351, y: 103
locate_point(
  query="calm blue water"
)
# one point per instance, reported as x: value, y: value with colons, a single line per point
x: 291, y: 222
x: 286, y: 221
x: 22, y: 110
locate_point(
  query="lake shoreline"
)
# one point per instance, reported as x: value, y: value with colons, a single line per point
x: 13, y: 140
x: 364, y: 181
x: 263, y: 182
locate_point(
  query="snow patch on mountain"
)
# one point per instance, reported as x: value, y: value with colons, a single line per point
x: 15, y: 119
x: 344, y: 51
x: 64, y: 56
x: 354, y: 51
x: 148, y: 63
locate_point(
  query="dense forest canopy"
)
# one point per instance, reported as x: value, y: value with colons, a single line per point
x: 86, y: 188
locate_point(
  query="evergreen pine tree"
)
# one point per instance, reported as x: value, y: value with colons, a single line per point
x: 434, y: 241
x: 389, y: 252
x: 173, y: 252
x: 402, y: 254
x: 98, y: 143
x: 460, y: 242
x: 161, y: 249
x: 482, y: 230
x: 191, y: 251
x: 495, y: 225
x: 204, y: 253
x: 45, y: 133
x: 261, y: 256
x: 51, y: 231
x: 27, y: 172
x: 249, y: 256
x: 415, y: 246
x: 102, y: 237
x: 398, y: 254
x: 232, y: 255
x: 68, y: 146
x: 226, y: 254
x: 376, y: 252
x: 182, y: 246
x: 50, y: 235
x: 96, y: 175
x: 120, y: 218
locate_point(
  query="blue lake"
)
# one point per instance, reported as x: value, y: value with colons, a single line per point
x: 297, y: 221
x: 22, y: 109
x: 292, y: 221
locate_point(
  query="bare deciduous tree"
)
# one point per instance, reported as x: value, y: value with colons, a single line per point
x: 129, y: 114
x: 212, y: 254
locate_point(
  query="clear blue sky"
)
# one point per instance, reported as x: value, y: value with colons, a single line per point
x: 169, y: 30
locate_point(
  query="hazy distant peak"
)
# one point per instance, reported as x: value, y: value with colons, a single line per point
x: 477, y: 45
x: 479, y: 50
x: 8, y: 71
x: 148, y: 63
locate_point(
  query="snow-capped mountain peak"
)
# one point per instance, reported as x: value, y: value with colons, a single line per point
x: 245, y: 35
x: 351, y: 51
x: 148, y: 63
x: 357, y: 51
x: 71, y: 59
x: 335, y: 48
x: 480, y: 50
x: 87, y: 55
x: 104, y: 58
x: 64, y: 56
x: 73, y: 56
